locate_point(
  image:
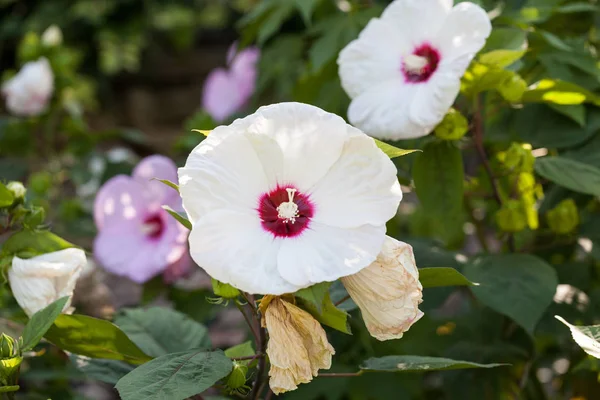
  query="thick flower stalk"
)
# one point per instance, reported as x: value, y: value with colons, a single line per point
x: 388, y: 292
x: 285, y: 198
x: 137, y: 238
x: 28, y: 92
x: 403, y: 72
x: 227, y: 91
x: 39, y: 281
x: 297, y: 346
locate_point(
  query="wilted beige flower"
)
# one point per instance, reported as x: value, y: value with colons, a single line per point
x: 388, y: 291
x: 297, y: 347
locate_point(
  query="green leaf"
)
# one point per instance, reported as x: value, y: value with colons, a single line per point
x: 241, y: 350
x: 554, y: 41
x: 587, y: 337
x: 96, y: 338
x: 109, y: 371
x: 483, y: 77
x: 340, y: 296
x: 6, y: 196
x: 159, y: 331
x: 392, y: 151
x: 520, y: 286
x: 315, y: 294
x: 180, y: 218
x: 559, y: 92
x: 330, y: 315
x: 440, y: 276
x: 501, y: 58
x: 30, y: 243
x: 175, y: 376
x: 306, y: 9
x: 438, y: 175
x: 40, y: 322
x: 418, y: 363
x: 168, y: 182
x: 571, y: 174
x: 576, y: 112
x: 506, y: 39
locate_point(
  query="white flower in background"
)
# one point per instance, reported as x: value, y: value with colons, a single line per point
x: 39, y: 281
x: 285, y: 198
x: 403, y: 72
x: 52, y: 36
x: 388, y: 292
x: 28, y: 92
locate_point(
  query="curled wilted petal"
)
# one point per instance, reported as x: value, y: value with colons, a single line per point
x: 297, y: 347
x: 388, y: 291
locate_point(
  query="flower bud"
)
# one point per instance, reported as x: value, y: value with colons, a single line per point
x: 563, y: 218
x: 511, y: 217
x: 518, y: 157
x: 52, y: 36
x: 39, y: 281
x: 17, y: 189
x: 388, y: 291
x: 224, y: 290
x: 8, y: 346
x: 297, y: 346
x: 453, y: 127
x: 237, y: 377
x: 28, y: 93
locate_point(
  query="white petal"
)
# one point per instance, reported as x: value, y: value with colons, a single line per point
x: 323, y: 253
x: 375, y: 57
x: 38, y: 281
x: 418, y: 19
x: 310, y: 139
x: 434, y: 98
x: 232, y: 247
x: 360, y: 188
x: 464, y: 32
x: 383, y: 111
x: 224, y: 172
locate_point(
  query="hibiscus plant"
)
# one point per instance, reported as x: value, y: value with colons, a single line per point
x: 368, y: 195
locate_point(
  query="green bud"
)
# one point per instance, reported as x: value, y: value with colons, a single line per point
x: 453, y: 127
x: 35, y: 217
x: 512, y: 88
x: 237, y: 377
x: 52, y: 36
x: 17, y: 189
x: 224, y: 290
x: 563, y: 218
x: 8, y: 346
x: 518, y: 157
x: 511, y: 217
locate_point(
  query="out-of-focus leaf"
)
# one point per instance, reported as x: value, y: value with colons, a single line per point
x: 180, y: 218
x: 574, y: 111
x: 571, y: 174
x: 506, y: 39
x: 587, y: 337
x: 436, y: 277
x: 306, y: 9
x: 109, y: 371
x: 520, y: 286
x: 96, y: 338
x: 418, y: 363
x: 501, y: 58
x: 6, y: 196
x: 159, y: 331
x: 241, y: 350
x: 40, y: 322
x: 559, y: 92
x: 175, y: 376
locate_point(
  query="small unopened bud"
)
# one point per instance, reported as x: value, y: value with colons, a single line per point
x: 8, y: 346
x: 453, y: 127
x: 511, y: 217
x: 52, y: 36
x: 518, y: 157
x: 224, y: 290
x: 237, y: 377
x: 17, y: 189
x: 563, y: 218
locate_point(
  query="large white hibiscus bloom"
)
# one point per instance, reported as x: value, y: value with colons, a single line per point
x: 287, y: 197
x: 403, y: 72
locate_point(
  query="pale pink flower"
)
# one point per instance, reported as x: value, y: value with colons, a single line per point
x: 28, y: 92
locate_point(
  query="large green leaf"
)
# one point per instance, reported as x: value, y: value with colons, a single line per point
x: 175, y: 376
x: 437, y: 277
x: 315, y: 294
x: 418, y: 363
x: 40, y: 322
x: 159, y: 331
x: 438, y: 175
x: 109, y: 371
x: 28, y: 243
x: 571, y: 174
x: 587, y: 337
x: 559, y: 92
x: 96, y: 338
x: 520, y: 286
x: 6, y: 196
x: 330, y: 315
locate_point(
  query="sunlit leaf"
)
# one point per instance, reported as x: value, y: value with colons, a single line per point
x: 587, y: 337
x: 40, y: 322
x: 392, y: 151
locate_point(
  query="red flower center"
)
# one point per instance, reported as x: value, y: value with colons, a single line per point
x: 421, y: 64
x: 154, y: 226
x: 284, y: 211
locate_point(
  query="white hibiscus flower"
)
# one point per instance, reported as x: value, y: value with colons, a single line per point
x: 287, y: 197
x: 403, y: 72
